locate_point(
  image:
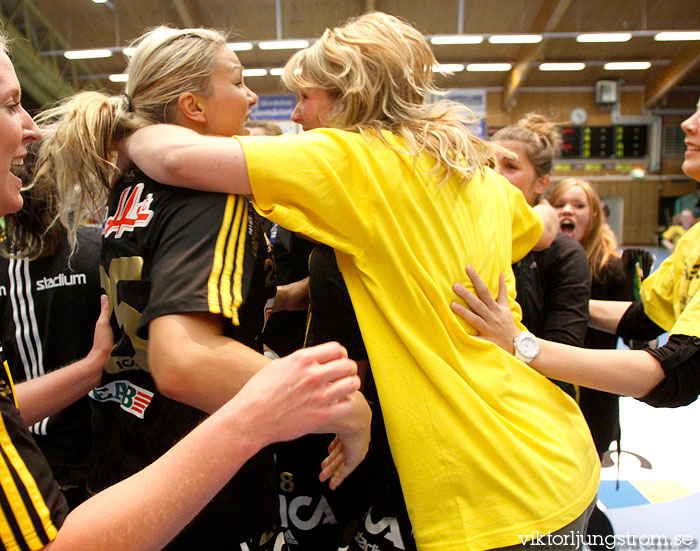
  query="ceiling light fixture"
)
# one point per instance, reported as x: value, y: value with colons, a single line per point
x: 277, y: 71
x: 604, y: 37
x: 562, y: 66
x: 86, y: 54
x: 119, y: 77
x: 488, y: 67
x: 677, y: 35
x: 283, y: 44
x: 128, y: 51
x: 239, y: 46
x: 254, y: 72
x: 627, y: 66
x: 457, y: 39
x: 448, y: 68
x: 515, y: 38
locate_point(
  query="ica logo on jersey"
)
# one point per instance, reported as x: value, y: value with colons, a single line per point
x: 131, y: 212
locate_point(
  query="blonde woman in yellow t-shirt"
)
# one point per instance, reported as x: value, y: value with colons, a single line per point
x: 489, y: 453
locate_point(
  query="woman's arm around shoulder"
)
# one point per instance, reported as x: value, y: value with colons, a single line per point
x: 177, y: 156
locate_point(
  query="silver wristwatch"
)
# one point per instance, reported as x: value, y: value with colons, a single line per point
x: 526, y: 347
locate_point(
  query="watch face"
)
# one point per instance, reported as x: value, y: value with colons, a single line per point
x: 528, y: 345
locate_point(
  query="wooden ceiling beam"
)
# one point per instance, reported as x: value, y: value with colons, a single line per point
x: 680, y: 66
x: 546, y: 20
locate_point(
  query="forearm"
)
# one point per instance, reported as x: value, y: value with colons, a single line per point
x: 46, y: 395
x: 358, y: 422
x: 605, y: 315
x: 288, y: 399
x: 177, y: 156
x: 293, y: 296
x: 353, y: 436
x: 627, y: 372
x: 170, y: 492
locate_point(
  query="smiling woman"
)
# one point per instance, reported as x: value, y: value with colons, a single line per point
x: 18, y: 129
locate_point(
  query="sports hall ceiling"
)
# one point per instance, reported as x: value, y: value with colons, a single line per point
x: 44, y: 29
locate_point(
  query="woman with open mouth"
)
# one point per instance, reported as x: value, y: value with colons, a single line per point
x: 665, y: 377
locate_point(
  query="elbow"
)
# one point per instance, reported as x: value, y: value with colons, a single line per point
x: 173, y: 165
x: 168, y: 373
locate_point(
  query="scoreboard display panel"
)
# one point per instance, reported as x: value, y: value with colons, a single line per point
x: 622, y: 141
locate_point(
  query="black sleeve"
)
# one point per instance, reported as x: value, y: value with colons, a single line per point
x: 635, y: 324
x: 568, y: 290
x: 680, y: 361
x: 331, y: 314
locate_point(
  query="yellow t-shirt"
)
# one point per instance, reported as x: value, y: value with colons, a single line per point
x: 670, y: 294
x: 673, y: 234
x: 487, y: 449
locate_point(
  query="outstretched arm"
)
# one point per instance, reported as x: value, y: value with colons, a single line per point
x: 288, y: 398
x: 177, y: 156
x: 631, y: 372
x: 50, y: 393
x: 605, y: 315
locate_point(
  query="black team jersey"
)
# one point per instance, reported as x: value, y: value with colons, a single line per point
x: 369, y: 505
x: 48, y: 310
x: 32, y: 506
x: 167, y: 251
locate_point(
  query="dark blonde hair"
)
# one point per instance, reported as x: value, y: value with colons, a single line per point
x: 539, y: 137
x: 81, y: 134
x: 380, y: 70
x: 598, y: 241
x: 270, y: 128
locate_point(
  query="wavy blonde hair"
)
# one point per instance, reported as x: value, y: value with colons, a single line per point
x: 539, y: 137
x: 380, y: 70
x: 81, y: 134
x: 598, y: 241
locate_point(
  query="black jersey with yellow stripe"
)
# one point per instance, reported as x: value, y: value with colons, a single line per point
x: 171, y: 251
x: 32, y: 507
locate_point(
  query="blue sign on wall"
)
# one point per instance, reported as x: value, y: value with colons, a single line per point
x: 273, y: 107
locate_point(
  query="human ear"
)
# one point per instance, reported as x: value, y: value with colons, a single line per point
x: 190, y: 107
x: 542, y: 184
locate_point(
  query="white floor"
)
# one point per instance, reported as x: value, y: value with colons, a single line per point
x: 659, y: 489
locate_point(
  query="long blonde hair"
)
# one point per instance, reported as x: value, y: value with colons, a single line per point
x: 380, y: 70
x: 81, y: 134
x: 598, y: 241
